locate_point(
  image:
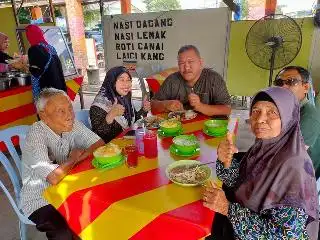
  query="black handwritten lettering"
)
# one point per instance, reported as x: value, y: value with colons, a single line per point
x: 143, y: 56
x: 152, y: 35
x: 163, y: 34
x: 165, y: 22
x: 123, y: 36
x: 127, y: 55
x: 138, y: 23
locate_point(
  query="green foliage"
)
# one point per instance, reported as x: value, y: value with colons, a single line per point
x: 24, y: 16
x: 91, y: 16
x: 57, y: 12
x: 161, y: 5
x: 244, y: 9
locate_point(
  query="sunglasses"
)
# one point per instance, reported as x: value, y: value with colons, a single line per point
x: 290, y: 82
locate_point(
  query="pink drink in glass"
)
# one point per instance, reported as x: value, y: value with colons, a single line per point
x: 150, y: 144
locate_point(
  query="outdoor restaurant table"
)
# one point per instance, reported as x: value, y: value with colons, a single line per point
x: 137, y: 203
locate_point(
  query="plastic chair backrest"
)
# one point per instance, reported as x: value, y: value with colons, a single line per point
x: 6, y: 137
x: 83, y: 116
x: 14, y: 205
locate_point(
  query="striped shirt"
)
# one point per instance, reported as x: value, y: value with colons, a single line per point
x: 42, y: 153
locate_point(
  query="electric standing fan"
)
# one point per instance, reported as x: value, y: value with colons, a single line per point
x: 273, y: 42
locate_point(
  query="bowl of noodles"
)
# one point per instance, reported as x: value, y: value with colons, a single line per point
x: 108, y: 154
x: 188, y: 173
x: 170, y: 126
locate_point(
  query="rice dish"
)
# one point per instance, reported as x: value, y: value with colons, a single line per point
x: 108, y: 150
x: 169, y: 124
x: 186, y: 141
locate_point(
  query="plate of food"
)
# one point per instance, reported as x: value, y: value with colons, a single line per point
x: 182, y: 115
x: 188, y: 173
x: 151, y: 122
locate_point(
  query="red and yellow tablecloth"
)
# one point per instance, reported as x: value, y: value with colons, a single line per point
x: 156, y: 80
x: 136, y: 203
x: 17, y: 107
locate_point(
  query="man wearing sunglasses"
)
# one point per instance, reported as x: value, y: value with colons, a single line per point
x: 296, y: 79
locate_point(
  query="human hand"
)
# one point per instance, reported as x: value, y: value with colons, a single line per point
x: 116, y: 109
x: 18, y: 64
x: 146, y: 104
x: 226, y: 149
x: 215, y: 199
x: 76, y: 155
x: 194, y: 100
x: 174, y: 105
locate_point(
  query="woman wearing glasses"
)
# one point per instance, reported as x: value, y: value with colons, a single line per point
x: 296, y: 79
x: 270, y: 191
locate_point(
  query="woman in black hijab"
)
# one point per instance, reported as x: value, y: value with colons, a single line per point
x: 112, y: 110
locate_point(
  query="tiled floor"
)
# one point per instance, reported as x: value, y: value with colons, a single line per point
x: 8, y: 220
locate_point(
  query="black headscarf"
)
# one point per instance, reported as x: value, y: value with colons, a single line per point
x: 109, y: 93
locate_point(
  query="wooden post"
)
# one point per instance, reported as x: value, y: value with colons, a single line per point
x: 125, y: 6
x: 271, y: 6
x: 14, y: 9
x: 52, y: 12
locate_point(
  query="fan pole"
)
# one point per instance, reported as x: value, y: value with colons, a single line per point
x: 273, y: 55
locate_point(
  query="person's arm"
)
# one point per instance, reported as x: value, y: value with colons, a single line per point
x: 163, y: 100
x: 220, y: 102
x: 60, y: 172
x: 166, y: 106
x: 211, y: 110
x: 310, y: 127
x: 86, y: 139
x: 35, y: 156
x: 107, y: 131
x: 37, y: 60
x: 276, y: 223
x: 228, y: 176
x: 4, y: 67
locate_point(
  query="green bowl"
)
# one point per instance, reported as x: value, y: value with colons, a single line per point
x: 170, y: 130
x: 107, y: 159
x: 186, y: 144
x: 216, y: 127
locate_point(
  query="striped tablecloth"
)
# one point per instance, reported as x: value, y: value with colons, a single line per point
x: 136, y: 203
x: 17, y: 107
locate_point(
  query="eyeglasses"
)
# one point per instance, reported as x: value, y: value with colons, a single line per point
x: 290, y: 82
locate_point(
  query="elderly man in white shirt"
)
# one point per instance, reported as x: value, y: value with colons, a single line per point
x: 53, y: 147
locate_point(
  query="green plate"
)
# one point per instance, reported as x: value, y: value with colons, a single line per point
x: 206, y: 131
x: 185, y: 163
x: 98, y: 165
x: 175, y: 151
x: 162, y: 134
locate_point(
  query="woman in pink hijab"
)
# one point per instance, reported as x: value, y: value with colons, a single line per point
x: 46, y: 70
